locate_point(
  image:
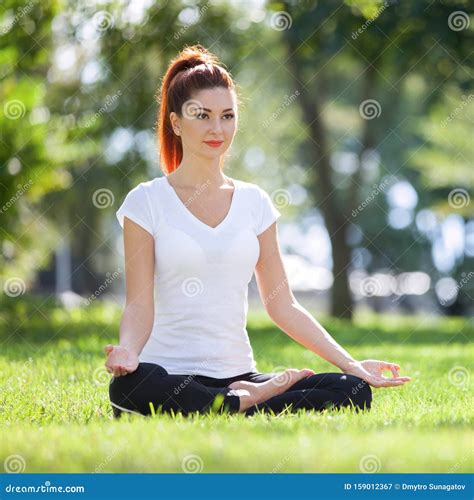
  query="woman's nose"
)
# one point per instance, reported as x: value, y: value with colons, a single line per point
x: 217, y: 126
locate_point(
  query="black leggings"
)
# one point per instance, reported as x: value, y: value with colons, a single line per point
x: 150, y: 384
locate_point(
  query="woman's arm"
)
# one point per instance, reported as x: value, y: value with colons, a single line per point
x: 137, y: 320
x: 300, y: 325
x: 286, y: 312
x: 135, y: 327
x: 138, y: 316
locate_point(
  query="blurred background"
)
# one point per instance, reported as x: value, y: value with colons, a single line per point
x: 356, y: 117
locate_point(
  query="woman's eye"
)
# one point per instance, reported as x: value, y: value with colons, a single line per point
x: 201, y: 115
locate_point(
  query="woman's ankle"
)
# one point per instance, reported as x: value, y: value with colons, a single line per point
x: 246, y: 400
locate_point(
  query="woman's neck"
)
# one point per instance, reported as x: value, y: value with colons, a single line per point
x: 194, y: 175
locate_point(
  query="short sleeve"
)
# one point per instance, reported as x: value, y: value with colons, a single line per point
x: 268, y: 213
x: 136, y: 207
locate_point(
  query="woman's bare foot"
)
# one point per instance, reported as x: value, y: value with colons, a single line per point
x: 251, y: 393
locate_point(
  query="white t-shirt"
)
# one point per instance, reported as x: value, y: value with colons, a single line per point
x: 201, y: 278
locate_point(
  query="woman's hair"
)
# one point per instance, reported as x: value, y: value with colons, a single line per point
x: 193, y: 69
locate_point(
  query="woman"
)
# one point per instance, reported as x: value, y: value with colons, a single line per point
x: 183, y: 340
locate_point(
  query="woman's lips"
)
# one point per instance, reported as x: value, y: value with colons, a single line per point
x: 214, y: 144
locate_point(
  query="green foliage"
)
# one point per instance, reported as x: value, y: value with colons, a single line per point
x: 27, y: 171
x: 56, y: 127
x: 446, y: 160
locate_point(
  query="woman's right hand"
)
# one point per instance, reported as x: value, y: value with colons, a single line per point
x: 120, y: 360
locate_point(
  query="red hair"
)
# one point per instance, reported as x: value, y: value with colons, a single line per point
x: 193, y: 69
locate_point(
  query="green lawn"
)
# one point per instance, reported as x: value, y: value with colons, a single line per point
x: 55, y: 415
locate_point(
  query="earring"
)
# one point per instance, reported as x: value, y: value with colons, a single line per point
x: 177, y: 132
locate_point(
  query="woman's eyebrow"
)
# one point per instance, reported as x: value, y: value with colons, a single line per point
x: 223, y: 111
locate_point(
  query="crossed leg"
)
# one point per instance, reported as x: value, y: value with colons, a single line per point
x: 318, y: 392
x: 150, y: 388
x: 151, y: 385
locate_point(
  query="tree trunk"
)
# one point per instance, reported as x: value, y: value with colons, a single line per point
x: 322, y: 187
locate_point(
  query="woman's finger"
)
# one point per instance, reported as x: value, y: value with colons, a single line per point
x: 392, y: 382
x: 394, y: 371
x: 117, y: 370
x: 393, y: 367
x: 397, y: 379
x: 388, y: 382
x: 108, y: 348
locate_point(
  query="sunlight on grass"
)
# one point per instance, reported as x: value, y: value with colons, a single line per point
x: 55, y: 412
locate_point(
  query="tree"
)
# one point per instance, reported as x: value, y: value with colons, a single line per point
x: 386, y: 48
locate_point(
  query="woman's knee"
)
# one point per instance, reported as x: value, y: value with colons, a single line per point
x: 357, y: 390
x: 125, y: 391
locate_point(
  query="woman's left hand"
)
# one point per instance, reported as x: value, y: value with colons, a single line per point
x: 371, y: 370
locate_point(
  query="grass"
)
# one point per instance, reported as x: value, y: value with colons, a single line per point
x: 55, y: 415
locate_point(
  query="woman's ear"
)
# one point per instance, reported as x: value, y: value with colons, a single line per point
x: 174, y: 119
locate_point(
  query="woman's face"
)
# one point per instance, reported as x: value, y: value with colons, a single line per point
x: 210, y: 115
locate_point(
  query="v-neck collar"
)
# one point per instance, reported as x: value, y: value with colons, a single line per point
x: 185, y: 210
